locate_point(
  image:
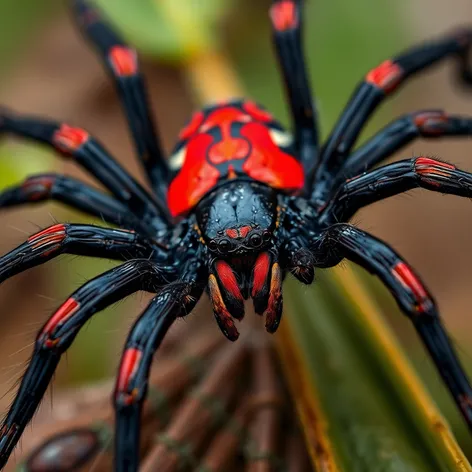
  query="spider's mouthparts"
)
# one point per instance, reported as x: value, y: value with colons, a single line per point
x: 265, y: 289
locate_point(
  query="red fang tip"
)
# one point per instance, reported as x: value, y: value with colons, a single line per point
x: 284, y: 15
x: 387, y: 76
x: 124, y: 61
x: 129, y: 365
x: 261, y: 273
x: 68, y: 139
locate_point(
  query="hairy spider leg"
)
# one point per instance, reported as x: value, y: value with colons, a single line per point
x: 84, y: 240
x: 41, y: 188
x: 58, y: 334
x: 78, y: 144
x: 428, y: 124
x: 286, y: 18
x: 393, y: 179
x: 121, y: 61
x: 414, y: 300
x: 379, y: 84
x: 145, y: 337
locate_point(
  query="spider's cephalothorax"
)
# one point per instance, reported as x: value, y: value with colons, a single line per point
x: 238, y: 205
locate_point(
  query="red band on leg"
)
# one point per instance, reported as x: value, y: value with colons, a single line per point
x: 65, y: 311
x: 123, y: 60
x: 387, y: 76
x: 68, y: 139
x: 284, y: 15
x: 129, y: 366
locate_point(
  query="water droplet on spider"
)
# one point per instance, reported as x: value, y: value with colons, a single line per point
x: 64, y: 452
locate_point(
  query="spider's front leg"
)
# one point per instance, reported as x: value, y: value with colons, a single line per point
x: 84, y: 240
x: 58, y: 334
x: 428, y: 124
x: 393, y: 179
x: 78, y: 195
x: 174, y: 300
x: 121, y: 62
x: 286, y: 17
x: 88, y: 152
x: 375, y: 256
x: 379, y: 84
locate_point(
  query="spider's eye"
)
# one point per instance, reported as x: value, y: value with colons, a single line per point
x: 266, y: 235
x: 213, y: 245
x: 255, y: 240
x: 224, y: 245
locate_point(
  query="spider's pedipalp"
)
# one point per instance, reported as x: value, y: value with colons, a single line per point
x: 143, y: 340
x: 379, y: 259
x: 286, y: 18
x: 378, y: 84
x: 393, y: 179
x: 58, y: 334
x: 121, y: 62
x: 86, y: 240
x: 74, y: 193
x: 78, y: 144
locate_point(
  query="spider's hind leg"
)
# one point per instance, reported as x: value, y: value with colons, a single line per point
x: 414, y: 300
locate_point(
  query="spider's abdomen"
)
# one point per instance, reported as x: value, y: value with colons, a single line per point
x: 227, y: 141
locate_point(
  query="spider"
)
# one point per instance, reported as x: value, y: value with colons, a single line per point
x: 238, y: 205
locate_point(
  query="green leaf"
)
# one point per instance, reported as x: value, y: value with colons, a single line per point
x: 173, y: 30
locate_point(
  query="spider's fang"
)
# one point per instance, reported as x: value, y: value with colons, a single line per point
x: 261, y: 282
x: 222, y: 315
x: 229, y: 289
x: 274, y: 308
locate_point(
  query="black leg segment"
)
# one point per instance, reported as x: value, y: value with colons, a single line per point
x: 58, y: 334
x: 286, y: 17
x: 121, y: 62
x: 378, y: 84
x: 379, y: 259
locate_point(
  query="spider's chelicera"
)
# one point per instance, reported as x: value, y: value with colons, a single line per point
x: 238, y: 205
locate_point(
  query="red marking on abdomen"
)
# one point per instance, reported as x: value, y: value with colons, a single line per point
x: 65, y: 311
x: 228, y: 149
x: 284, y: 15
x: 261, y: 273
x: 387, y: 76
x: 228, y: 279
x: 431, y: 123
x: 68, y: 139
x: 257, y: 113
x: 192, y: 127
x: 129, y: 366
x: 409, y: 280
x: 123, y: 60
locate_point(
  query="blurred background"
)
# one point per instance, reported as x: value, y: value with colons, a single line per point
x: 46, y: 69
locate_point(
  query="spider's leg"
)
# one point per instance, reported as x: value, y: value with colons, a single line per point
x: 58, y: 334
x: 176, y: 299
x: 78, y: 144
x: 379, y: 259
x: 430, y: 124
x: 122, y: 63
x: 78, y: 195
x: 286, y: 18
x: 393, y: 179
x: 84, y: 240
x: 378, y: 84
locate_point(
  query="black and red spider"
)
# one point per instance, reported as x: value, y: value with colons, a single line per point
x: 237, y: 206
